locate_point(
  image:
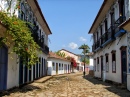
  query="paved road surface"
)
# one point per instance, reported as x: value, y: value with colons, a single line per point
x: 70, y: 85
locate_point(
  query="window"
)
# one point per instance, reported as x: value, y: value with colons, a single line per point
x: 97, y: 63
x: 62, y: 67
x: 53, y: 66
x: 107, y: 63
x: 59, y: 66
x: 22, y: 15
x: 97, y: 36
x: 113, y: 61
x: 112, y: 17
x: 121, y: 7
x: 106, y: 28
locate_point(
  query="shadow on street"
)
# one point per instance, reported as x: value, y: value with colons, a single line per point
x: 22, y: 89
x: 122, y: 92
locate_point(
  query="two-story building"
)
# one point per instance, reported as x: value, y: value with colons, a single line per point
x: 75, y: 56
x: 111, y: 41
x: 12, y: 72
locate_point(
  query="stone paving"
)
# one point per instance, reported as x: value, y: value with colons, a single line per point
x: 70, y: 85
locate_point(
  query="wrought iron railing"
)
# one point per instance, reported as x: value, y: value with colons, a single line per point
x: 119, y: 21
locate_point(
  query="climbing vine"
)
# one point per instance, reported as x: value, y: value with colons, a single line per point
x: 19, y: 35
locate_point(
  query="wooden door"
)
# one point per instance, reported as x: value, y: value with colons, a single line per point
x: 124, y: 66
x: 56, y: 68
x: 3, y: 67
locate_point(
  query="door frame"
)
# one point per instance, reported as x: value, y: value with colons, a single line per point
x: 123, y: 48
x: 101, y: 66
x: 6, y: 67
x: 57, y: 68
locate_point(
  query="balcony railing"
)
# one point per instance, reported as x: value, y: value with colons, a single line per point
x: 106, y: 38
x: 110, y: 34
x: 119, y: 21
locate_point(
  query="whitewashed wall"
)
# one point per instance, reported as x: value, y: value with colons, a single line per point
x: 13, y: 70
x: 116, y: 77
x: 53, y: 72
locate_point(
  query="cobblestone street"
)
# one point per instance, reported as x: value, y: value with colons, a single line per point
x: 70, y: 85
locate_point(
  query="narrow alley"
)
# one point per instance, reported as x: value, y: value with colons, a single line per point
x: 69, y: 85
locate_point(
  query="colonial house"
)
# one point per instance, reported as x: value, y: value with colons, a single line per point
x: 75, y: 56
x: 111, y: 42
x: 12, y: 72
x: 57, y: 65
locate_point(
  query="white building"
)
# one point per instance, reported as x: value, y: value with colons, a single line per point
x: 111, y: 41
x: 58, y: 65
x: 13, y: 74
x: 75, y: 56
x: 90, y: 55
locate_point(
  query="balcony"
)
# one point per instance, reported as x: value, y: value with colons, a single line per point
x: 119, y: 31
x: 108, y: 36
x: 40, y: 42
x: 105, y: 39
x: 96, y: 46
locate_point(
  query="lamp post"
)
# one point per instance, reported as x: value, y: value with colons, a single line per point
x: 85, y: 49
x: 84, y: 63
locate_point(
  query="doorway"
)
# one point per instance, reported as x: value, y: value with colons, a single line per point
x: 3, y: 67
x: 56, y: 68
x: 101, y: 66
x: 124, y: 65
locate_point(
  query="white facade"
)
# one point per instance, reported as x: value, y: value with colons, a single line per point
x: 91, y: 63
x: 17, y: 72
x: 110, y: 47
x: 58, y: 66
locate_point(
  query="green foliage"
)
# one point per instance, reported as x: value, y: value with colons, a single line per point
x: 85, y: 48
x: 61, y: 54
x: 20, y: 35
x: 86, y: 60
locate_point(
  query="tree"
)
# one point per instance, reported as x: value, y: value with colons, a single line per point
x: 85, y: 49
x: 86, y: 60
x: 61, y: 54
x: 21, y: 36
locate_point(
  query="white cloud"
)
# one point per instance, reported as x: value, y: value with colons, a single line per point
x: 73, y: 45
x: 82, y: 39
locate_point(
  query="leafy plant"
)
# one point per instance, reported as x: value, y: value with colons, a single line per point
x: 19, y: 35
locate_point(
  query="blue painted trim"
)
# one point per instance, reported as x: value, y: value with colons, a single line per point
x: 108, y: 41
x: 5, y: 68
x: 120, y: 32
x: 98, y: 49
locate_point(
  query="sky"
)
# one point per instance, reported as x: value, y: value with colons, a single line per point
x: 69, y: 22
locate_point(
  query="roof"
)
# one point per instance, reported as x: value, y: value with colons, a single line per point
x: 68, y: 51
x: 101, y: 15
x: 53, y: 55
x: 39, y: 9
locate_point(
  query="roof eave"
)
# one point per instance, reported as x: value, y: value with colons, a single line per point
x: 106, y: 2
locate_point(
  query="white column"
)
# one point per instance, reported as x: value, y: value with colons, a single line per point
x: 32, y: 73
x: 28, y: 74
x: 38, y: 69
x: 35, y: 70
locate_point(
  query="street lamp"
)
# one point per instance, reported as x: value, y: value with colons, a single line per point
x: 84, y: 63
